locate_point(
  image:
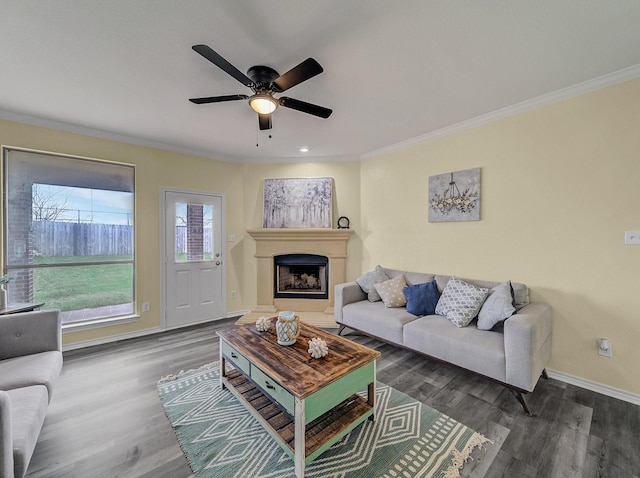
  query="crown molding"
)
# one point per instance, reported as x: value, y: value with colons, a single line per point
x: 626, y: 74
x: 108, y: 135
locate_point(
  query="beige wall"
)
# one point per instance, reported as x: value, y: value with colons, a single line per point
x: 559, y: 188
x: 155, y: 169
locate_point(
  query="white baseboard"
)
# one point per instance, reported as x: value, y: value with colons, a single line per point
x: 138, y: 333
x: 595, y: 387
x: 109, y: 339
x: 237, y: 313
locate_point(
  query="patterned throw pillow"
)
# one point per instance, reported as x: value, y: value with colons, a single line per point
x: 391, y: 292
x: 367, y: 281
x: 460, y: 302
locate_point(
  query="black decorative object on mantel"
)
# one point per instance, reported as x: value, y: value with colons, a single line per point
x: 343, y: 222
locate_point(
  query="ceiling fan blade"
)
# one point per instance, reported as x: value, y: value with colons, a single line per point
x: 305, y: 107
x: 264, y: 121
x: 296, y: 75
x: 217, y: 99
x: 223, y: 64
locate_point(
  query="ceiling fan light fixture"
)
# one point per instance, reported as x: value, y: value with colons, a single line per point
x: 263, y: 104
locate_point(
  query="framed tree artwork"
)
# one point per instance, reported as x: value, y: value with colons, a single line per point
x: 297, y: 203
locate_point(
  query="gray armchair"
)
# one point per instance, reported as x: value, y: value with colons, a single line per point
x: 30, y: 364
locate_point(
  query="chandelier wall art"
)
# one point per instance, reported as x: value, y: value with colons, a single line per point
x: 455, y: 196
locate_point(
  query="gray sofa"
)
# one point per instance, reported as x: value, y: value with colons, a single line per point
x: 30, y: 364
x: 513, y: 353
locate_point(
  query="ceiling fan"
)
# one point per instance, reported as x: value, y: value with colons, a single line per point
x: 264, y: 82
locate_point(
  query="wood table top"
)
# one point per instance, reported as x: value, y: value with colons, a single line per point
x: 292, y: 366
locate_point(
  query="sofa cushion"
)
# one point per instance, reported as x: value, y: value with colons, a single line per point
x: 377, y: 320
x: 498, y: 306
x: 482, y: 352
x: 367, y: 281
x: 422, y: 298
x: 28, y: 409
x: 460, y: 302
x: 390, y: 292
x: 35, y: 369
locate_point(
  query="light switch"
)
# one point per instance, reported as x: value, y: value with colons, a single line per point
x: 231, y: 237
x: 632, y: 237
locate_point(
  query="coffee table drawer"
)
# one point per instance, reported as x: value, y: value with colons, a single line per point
x: 236, y: 357
x: 272, y: 389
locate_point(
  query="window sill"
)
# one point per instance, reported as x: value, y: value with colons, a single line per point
x: 97, y: 323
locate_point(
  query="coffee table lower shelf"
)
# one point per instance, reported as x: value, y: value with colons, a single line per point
x: 320, y: 434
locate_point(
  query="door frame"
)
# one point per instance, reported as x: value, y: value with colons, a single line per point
x: 163, y: 251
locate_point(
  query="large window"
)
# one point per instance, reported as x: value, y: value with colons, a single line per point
x: 68, y: 234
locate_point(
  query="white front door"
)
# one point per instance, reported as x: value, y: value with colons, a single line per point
x: 194, y: 274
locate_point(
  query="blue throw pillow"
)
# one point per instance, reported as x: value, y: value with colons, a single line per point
x: 422, y: 298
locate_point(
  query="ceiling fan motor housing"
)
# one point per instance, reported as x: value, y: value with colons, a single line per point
x: 262, y: 76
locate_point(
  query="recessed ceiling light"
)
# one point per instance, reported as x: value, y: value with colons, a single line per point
x: 304, y: 150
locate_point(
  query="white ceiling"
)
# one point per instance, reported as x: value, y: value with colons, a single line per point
x: 394, y: 72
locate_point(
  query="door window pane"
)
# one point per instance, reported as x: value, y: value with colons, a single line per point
x: 194, y: 232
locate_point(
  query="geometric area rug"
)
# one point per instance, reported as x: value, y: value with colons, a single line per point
x: 221, y: 439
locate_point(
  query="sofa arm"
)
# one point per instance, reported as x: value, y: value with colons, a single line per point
x: 527, y: 344
x: 6, y: 437
x: 29, y: 333
x: 346, y: 294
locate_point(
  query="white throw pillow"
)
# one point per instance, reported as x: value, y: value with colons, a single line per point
x: 460, y: 302
x: 498, y: 306
x: 391, y: 292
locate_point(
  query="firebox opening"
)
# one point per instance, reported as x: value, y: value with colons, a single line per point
x: 301, y: 276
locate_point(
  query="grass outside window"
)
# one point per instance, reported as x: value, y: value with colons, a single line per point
x: 84, y: 286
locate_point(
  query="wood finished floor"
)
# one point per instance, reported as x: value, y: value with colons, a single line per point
x: 105, y: 419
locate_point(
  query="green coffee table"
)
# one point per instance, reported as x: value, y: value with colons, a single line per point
x: 305, y: 404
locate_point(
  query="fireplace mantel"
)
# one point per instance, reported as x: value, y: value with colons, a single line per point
x: 331, y: 243
x: 300, y: 234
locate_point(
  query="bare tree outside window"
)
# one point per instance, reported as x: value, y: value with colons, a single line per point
x: 48, y: 204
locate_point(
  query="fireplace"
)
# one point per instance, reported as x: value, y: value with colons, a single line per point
x: 301, y: 276
x: 277, y: 243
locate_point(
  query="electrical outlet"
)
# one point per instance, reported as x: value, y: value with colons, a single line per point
x: 632, y: 237
x: 233, y: 294
x: 604, y: 348
x: 145, y: 307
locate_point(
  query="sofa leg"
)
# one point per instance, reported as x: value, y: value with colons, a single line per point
x: 544, y: 374
x: 342, y: 327
x: 520, y: 397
